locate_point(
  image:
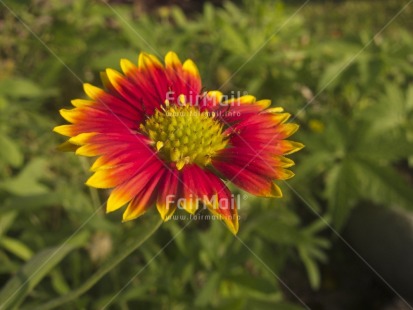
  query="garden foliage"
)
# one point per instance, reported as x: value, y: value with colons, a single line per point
x: 347, y: 82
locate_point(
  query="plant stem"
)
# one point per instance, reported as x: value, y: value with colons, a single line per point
x: 108, y: 266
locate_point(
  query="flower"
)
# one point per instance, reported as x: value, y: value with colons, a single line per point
x: 160, y: 140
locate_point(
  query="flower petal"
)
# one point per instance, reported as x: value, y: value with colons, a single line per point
x: 203, y: 185
x: 143, y: 201
x: 172, y: 61
x: 114, y: 77
x: 82, y: 102
x: 224, y: 204
x: 189, y: 187
x: 128, y: 67
x: 91, y: 91
x: 125, y: 192
x: 108, y: 178
x: 246, y: 179
x: 148, y: 62
x: 243, y: 100
x: 67, y: 147
x: 168, y: 194
x: 183, y: 79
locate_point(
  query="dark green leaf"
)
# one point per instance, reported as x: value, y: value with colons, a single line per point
x: 10, y: 152
x: 341, y: 191
x: 17, y: 288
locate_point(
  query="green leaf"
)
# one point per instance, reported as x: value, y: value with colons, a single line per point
x: 409, y: 98
x: 180, y: 240
x: 318, y: 225
x: 391, y: 110
x: 250, y: 287
x: 378, y: 146
x: 27, y: 182
x: 318, y: 254
x: 20, y: 88
x: 29, y: 203
x: 311, y: 267
x: 312, y: 166
x: 330, y: 77
x: 234, y: 40
x: 209, y: 13
x: 10, y: 152
x: 179, y: 16
x: 147, y: 230
x: 382, y: 184
x: 274, y: 230
x: 26, y: 279
x: 16, y: 247
x: 6, y: 220
x: 341, y: 191
x: 3, y: 103
x: 58, y: 282
x: 208, y: 291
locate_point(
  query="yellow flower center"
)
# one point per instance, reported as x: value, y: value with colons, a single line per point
x: 184, y: 134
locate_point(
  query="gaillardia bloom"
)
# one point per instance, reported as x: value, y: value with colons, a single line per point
x: 160, y: 140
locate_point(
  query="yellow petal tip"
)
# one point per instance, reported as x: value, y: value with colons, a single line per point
x: 190, y: 67
x: 172, y: 60
x: 276, y: 191
x: 64, y: 130
x: 127, y: 66
x: 91, y: 91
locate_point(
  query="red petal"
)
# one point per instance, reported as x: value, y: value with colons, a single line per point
x: 144, y: 200
x: 246, y: 179
x: 224, y: 203
x: 168, y: 194
x: 137, y: 182
x: 190, y: 189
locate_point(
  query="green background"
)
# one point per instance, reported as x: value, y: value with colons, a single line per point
x: 344, y: 69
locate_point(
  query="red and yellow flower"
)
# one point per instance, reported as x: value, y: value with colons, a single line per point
x: 159, y: 140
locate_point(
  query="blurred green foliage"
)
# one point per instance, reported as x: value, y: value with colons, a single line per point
x: 348, y: 81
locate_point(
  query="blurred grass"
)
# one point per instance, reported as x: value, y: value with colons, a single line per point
x: 355, y: 86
